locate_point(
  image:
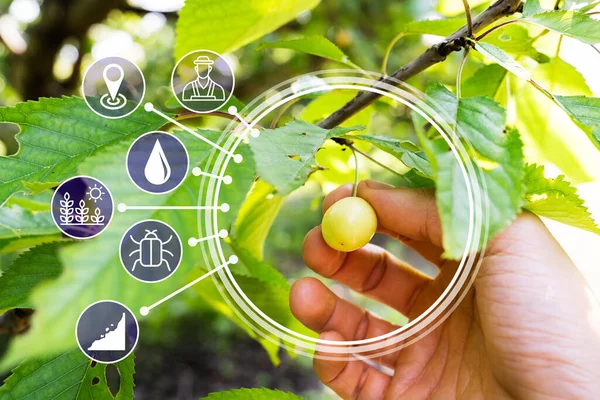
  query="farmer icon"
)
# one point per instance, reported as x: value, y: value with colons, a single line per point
x: 203, y: 88
x: 150, y: 251
x: 202, y: 81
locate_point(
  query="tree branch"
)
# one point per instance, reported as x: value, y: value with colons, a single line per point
x: 15, y: 321
x: 469, y: 18
x: 431, y: 56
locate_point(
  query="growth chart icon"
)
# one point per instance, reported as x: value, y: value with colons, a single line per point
x: 112, y: 340
x: 82, y: 207
x: 150, y: 251
x: 107, y: 331
x: 157, y: 162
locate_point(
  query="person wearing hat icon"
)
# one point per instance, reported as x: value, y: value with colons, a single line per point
x: 203, y: 88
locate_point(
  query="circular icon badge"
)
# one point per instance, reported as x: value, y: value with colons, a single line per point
x: 113, y: 87
x: 107, y: 331
x: 202, y: 81
x: 82, y: 207
x: 157, y: 162
x: 150, y: 251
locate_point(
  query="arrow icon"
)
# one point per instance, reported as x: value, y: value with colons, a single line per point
x: 113, y: 85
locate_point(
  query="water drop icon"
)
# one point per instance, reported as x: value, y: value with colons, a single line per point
x: 158, y: 170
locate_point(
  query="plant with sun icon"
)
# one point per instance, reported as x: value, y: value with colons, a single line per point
x: 95, y: 193
x: 81, y: 212
x: 66, y: 209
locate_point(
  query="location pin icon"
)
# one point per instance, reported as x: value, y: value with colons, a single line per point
x: 113, y: 85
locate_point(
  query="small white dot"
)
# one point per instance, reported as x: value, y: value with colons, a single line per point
x: 192, y: 242
x: 122, y: 207
x: 223, y: 233
x: 238, y: 158
x: 227, y: 180
x: 196, y: 171
x: 232, y: 110
x: 224, y: 207
x: 149, y: 107
x: 233, y: 260
x: 144, y: 310
x: 254, y: 133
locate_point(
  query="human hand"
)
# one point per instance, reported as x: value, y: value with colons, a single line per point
x: 529, y: 328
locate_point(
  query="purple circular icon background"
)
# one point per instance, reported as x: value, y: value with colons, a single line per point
x: 97, y: 321
x: 174, y: 153
x: 82, y: 207
x: 132, y: 87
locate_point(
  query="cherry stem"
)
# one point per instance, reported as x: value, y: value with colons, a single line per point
x: 460, y: 72
x: 368, y: 157
x: 355, y: 188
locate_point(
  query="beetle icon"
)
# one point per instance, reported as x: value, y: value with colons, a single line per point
x: 151, y: 251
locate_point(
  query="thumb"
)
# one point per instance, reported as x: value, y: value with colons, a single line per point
x: 410, y: 213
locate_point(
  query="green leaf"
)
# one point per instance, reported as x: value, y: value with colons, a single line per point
x: 226, y: 25
x: 548, y: 132
x: 252, y: 394
x: 316, y: 45
x: 243, y: 176
x: 515, y: 40
x: 569, y: 23
x: 439, y: 27
x: 17, y: 222
x: 532, y: 7
x: 502, y: 58
x: 207, y: 290
x: 285, y: 156
x: 92, y: 269
x: 481, y: 121
x: 454, y: 7
x: 259, y: 269
x: 59, y: 134
x: 38, y: 187
x: 581, y: 5
x: 67, y: 376
x: 556, y: 199
x: 256, y: 217
x: 34, y: 202
x: 269, y: 292
x: 25, y: 222
x: 586, y: 111
x: 410, y: 154
x: 26, y: 272
x: 485, y: 82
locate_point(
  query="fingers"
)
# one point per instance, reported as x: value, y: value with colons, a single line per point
x: 321, y: 310
x: 407, y: 214
x: 370, y: 270
x: 349, y: 377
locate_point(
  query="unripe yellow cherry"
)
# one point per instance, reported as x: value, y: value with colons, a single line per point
x: 349, y: 224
